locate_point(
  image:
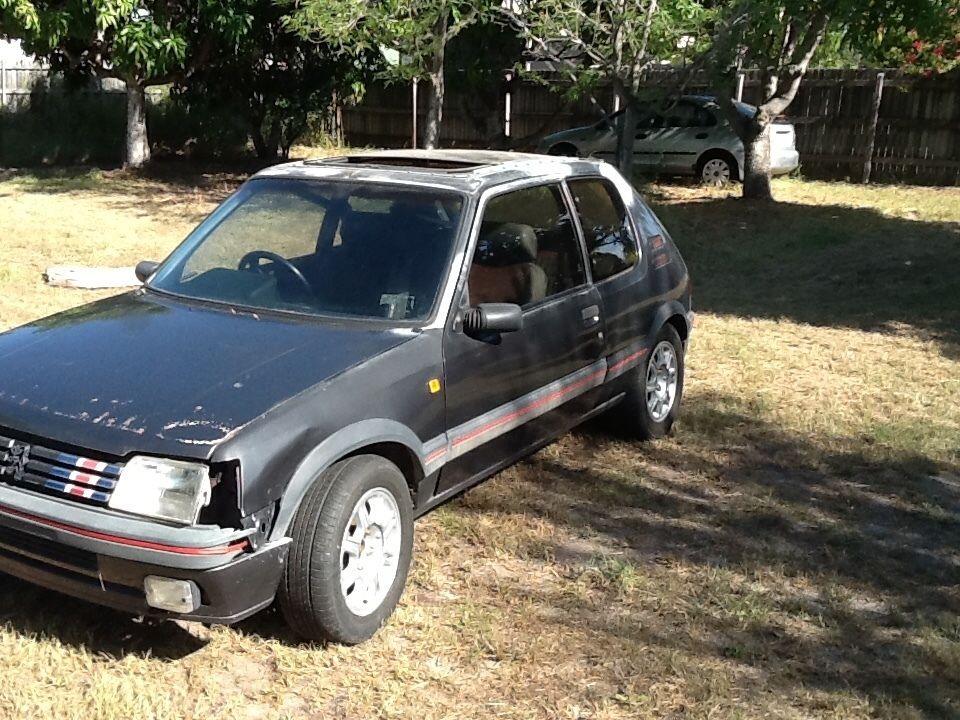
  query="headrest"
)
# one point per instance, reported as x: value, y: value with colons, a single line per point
x: 506, y: 244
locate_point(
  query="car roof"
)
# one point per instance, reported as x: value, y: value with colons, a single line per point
x: 468, y: 171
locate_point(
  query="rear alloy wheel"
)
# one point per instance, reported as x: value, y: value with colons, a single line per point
x: 663, y: 372
x: 652, y: 400
x: 716, y: 171
x: 352, y: 540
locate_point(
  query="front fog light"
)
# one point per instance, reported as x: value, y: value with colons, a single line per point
x: 179, y: 596
x: 164, y: 489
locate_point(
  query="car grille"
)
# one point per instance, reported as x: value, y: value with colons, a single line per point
x: 59, y: 473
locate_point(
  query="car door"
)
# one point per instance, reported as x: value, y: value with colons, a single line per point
x: 619, y: 270
x: 685, y: 136
x: 647, y: 153
x: 506, y: 393
x: 648, y: 143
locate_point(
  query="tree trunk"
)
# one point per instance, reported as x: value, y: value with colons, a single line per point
x: 136, y: 148
x: 756, y: 152
x: 626, y: 138
x: 431, y: 127
x: 265, y: 144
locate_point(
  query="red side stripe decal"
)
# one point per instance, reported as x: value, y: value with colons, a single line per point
x: 629, y: 359
x: 436, y: 455
x: 132, y: 542
x: 519, y: 412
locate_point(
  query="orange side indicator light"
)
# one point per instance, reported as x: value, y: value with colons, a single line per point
x: 434, y: 385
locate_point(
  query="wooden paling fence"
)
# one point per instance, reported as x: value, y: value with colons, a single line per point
x: 883, y: 125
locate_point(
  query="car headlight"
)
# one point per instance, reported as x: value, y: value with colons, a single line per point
x: 164, y: 489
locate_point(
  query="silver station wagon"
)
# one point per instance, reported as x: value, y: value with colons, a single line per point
x: 691, y: 138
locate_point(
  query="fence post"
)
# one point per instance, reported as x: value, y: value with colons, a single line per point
x: 414, y: 139
x: 507, y: 103
x: 3, y: 83
x: 740, y: 78
x: 872, y: 128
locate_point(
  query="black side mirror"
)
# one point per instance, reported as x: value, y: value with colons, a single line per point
x: 144, y: 269
x: 493, y: 318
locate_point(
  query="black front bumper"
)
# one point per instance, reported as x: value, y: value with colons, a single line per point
x: 232, y: 586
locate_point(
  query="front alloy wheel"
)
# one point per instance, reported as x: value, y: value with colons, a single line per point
x: 369, y: 551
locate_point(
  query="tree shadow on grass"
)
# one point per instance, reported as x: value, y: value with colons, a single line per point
x: 826, y: 265
x: 35, y: 612
x: 867, y: 547
x: 162, y: 189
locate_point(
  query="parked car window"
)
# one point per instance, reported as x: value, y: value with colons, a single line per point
x: 320, y: 247
x: 653, y: 121
x: 527, y: 249
x: 606, y: 228
x: 688, y: 114
x: 704, y: 117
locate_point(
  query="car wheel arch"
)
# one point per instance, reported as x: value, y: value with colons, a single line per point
x: 679, y: 323
x: 386, y: 438
x: 673, y: 313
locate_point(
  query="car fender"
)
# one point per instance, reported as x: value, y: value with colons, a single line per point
x: 338, y: 445
x: 667, y: 310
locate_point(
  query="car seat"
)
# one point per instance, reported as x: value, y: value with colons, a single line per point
x: 505, y: 266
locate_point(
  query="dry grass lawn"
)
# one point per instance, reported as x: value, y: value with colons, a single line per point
x: 792, y: 552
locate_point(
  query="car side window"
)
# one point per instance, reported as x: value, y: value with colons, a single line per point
x: 650, y: 122
x: 606, y: 227
x: 527, y: 249
x: 704, y: 118
x: 683, y: 114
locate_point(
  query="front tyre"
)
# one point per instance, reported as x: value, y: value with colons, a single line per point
x: 652, y: 401
x: 351, y: 550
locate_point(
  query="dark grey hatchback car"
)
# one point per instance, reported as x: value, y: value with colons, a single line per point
x: 340, y: 347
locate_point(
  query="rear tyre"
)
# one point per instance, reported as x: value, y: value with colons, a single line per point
x: 351, y: 550
x: 717, y: 169
x: 652, y: 401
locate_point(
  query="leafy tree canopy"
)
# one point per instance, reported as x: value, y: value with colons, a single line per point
x: 148, y: 41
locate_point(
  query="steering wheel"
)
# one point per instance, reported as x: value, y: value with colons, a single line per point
x: 251, y: 263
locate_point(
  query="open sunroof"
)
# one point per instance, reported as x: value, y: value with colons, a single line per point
x: 402, y: 162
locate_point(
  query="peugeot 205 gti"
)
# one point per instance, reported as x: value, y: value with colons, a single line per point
x: 341, y: 346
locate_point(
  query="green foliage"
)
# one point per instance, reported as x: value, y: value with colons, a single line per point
x: 278, y: 81
x: 146, y: 41
x: 417, y: 29
x: 922, y: 35
x: 614, y: 41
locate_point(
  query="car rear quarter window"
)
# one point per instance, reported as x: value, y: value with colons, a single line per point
x: 527, y: 249
x: 606, y: 227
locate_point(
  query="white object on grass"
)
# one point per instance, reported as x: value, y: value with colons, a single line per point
x: 77, y: 276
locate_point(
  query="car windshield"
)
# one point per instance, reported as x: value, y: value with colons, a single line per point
x: 320, y: 247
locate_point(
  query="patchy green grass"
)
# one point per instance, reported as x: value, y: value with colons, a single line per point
x: 793, y: 551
